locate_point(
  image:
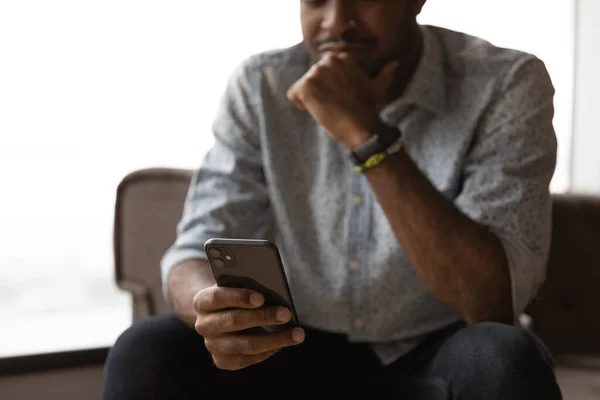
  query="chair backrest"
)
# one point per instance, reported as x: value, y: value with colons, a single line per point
x: 565, y: 314
x: 148, y: 207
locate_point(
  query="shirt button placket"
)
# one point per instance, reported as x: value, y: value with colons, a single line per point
x: 356, y: 242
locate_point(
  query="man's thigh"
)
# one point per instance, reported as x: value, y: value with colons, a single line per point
x: 157, y: 357
x: 322, y: 358
x: 412, y: 375
x: 483, y: 361
x: 163, y: 352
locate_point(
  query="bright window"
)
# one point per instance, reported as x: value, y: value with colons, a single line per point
x: 90, y: 91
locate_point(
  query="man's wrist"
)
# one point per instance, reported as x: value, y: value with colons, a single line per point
x: 184, y: 281
x: 360, y: 135
x: 357, y: 138
x: 384, y: 141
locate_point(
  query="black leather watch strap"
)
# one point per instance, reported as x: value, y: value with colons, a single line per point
x: 379, y: 142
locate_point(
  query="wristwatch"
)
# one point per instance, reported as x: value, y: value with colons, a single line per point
x: 378, y: 143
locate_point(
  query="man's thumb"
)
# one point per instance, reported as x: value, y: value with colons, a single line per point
x: 383, y: 81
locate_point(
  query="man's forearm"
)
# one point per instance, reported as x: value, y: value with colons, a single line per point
x: 185, y: 280
x: 461, y: 262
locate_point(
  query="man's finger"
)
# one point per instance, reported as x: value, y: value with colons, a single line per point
x: 382, y: 82
x: 345, y: 57
x: 236, y: 320
x: 216, y: 298
x: 387, y: 73
x: 334, y: 59
x: 293, y: 96
x: 252, y: 344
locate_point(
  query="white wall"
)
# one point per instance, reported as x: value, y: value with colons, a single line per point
x: 585, y: 159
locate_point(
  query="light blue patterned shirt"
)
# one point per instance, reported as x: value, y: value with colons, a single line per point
x: 477, y: 121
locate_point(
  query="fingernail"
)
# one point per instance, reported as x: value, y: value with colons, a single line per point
x: 298, y: 335
x: 256, y: 299
x: 282, y: 314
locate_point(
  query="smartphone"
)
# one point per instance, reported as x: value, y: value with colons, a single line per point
x: 256, y: 265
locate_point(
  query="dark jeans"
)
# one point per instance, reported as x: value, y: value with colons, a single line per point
x: 162, y: 358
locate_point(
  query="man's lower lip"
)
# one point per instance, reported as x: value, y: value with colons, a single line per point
x: 353, y: 53
x: 343, y: 49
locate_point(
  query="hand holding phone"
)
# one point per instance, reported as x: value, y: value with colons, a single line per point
x: 224, y: 312
x: 255, y: 265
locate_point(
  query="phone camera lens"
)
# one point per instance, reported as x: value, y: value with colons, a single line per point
x: 214, y: 252
x: 219, y: 263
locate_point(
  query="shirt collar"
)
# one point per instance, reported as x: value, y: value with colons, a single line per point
x: 426, y: 89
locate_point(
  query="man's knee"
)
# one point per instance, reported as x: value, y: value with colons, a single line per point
x: 498, y: 358
x: 152, y: 337
x: 503, y: 346
x: 150, y: 354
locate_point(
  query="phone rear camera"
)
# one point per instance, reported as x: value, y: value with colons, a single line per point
x: 214, y: 252
x: 219, y: 263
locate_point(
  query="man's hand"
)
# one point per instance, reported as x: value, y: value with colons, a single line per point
x: 342, y: 98
x: 224, y: 312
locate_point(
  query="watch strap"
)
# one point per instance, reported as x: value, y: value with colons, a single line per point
x: 379, y: 142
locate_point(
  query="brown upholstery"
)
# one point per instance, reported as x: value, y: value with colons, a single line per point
x: 148, y: 207
x: 565, y: 314
x: 566, y: 311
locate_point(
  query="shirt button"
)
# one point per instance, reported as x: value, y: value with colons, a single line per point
x: 358, y: 200
x: 358, y: 323
x: 354, y: 265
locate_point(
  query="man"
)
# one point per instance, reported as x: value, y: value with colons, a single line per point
x: 403, y: 171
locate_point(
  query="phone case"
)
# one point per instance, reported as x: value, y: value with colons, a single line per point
x: 252, y: 264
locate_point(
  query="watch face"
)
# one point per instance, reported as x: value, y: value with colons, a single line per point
x: 389, y: 135
x: 367, y: 149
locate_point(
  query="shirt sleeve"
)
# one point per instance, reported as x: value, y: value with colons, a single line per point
x: 508, y: 172
x: 227, y: 196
